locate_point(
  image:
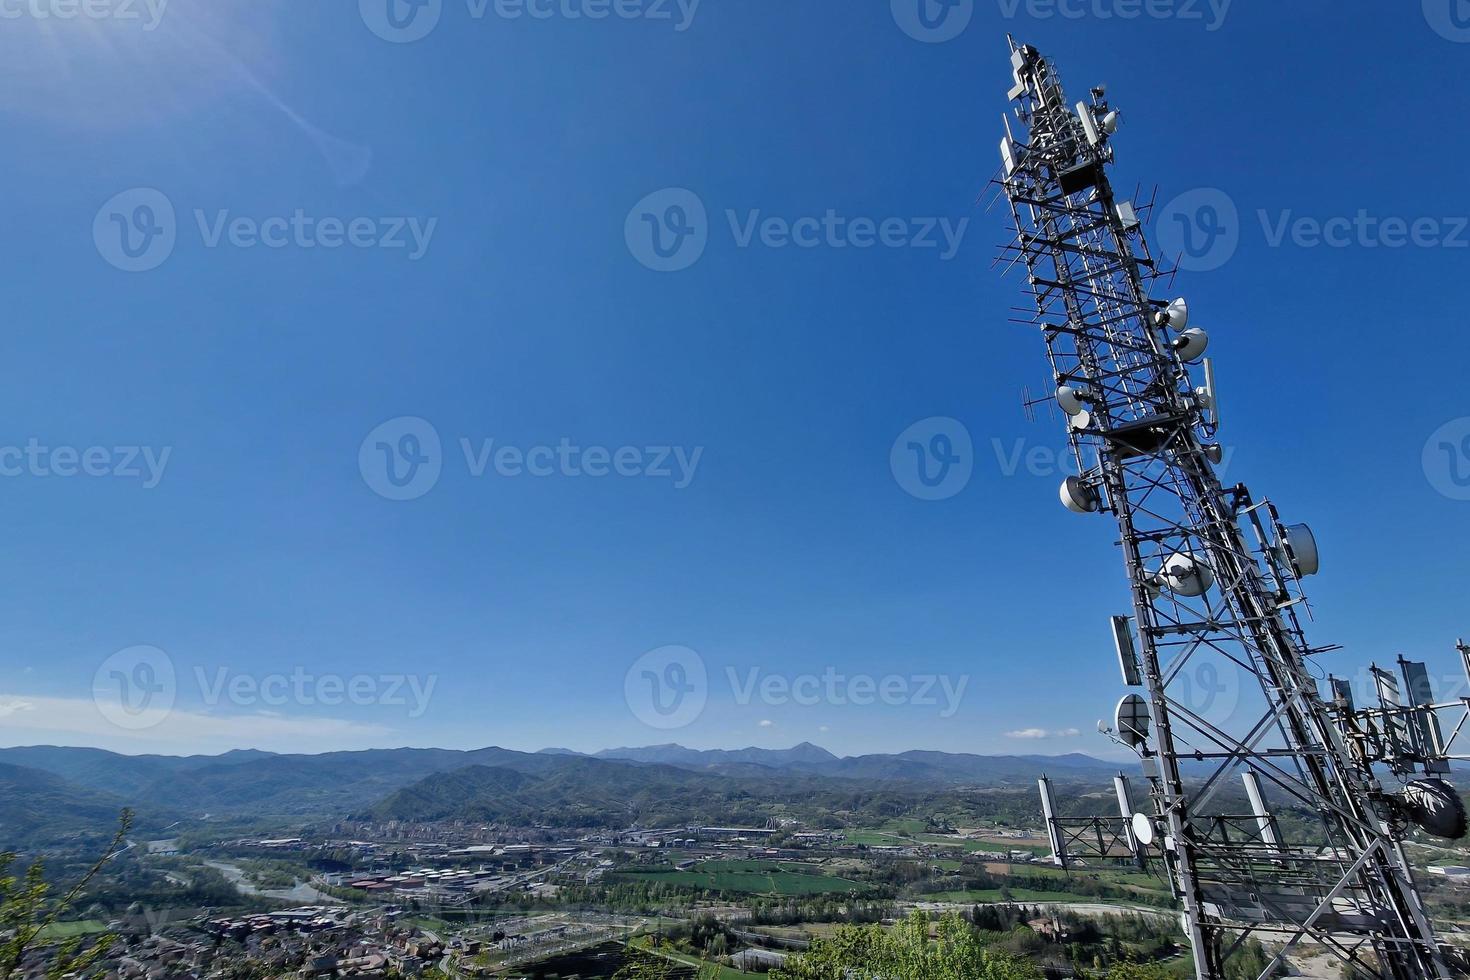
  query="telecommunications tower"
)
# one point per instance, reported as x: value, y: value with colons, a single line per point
x: 1274, y: 821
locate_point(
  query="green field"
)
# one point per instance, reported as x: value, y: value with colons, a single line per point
x: 874, y: 838
x: 79, y: 927
x: 969, y: 846
x: 750, y: 877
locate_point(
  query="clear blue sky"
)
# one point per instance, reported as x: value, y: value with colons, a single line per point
x: 528, y: 319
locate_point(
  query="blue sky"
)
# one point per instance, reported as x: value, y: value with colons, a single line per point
x: 484, y: 187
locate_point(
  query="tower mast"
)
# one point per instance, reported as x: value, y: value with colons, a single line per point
x: 1215, y: 577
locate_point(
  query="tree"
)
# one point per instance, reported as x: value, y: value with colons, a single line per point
x: 26, y: 914
x: 955, y: 951
x: 1138, y: 971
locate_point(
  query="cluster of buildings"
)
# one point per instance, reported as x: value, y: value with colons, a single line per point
x: 1454, y: 872
x: 313, y: 943
x: 425, y: 881
x: 304, y: 920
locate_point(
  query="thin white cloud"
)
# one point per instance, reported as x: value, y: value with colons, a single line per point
x: 767, y: 723
x: 14, y: 706
x: 1042, y: 733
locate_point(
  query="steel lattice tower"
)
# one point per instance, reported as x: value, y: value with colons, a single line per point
x: 1214, y: 573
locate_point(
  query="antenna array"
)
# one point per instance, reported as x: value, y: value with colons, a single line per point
x: 1216, y: 578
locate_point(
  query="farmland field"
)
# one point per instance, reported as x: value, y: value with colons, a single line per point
x: 751, y: 877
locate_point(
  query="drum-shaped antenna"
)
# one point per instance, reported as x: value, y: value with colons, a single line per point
x: 1435, y: 807
x: 1186, y: 575
x: 1192, y: 344
x: 1073, y: 398
x: 1301, y: 548
x: 1078, y: 497
x: 1133, y: 720
x: 1175, y: 316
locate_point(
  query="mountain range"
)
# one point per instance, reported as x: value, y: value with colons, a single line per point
x: 47, y: 788
x: 946, y: 768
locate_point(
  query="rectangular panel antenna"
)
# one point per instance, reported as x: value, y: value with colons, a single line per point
x: 1049, y: 813
x: 1127, y: 651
